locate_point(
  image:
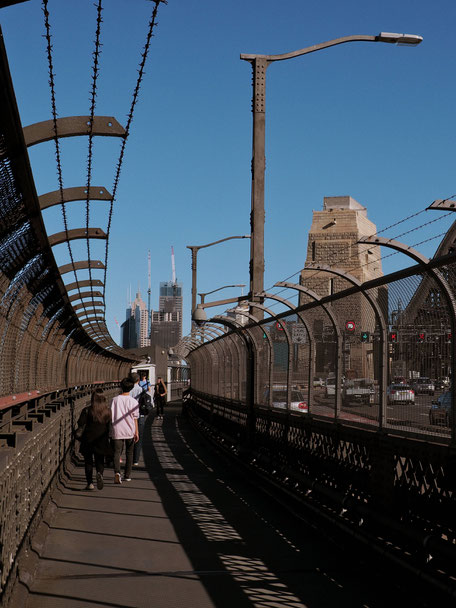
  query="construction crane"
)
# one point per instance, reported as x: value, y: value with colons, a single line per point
x: 148, y: 294
x: 173, y: 266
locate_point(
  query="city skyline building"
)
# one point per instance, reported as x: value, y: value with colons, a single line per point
x: 134, y: 330
x: 166, y: 322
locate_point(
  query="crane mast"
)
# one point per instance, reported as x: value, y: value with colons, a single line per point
x: 173, y: 265
x: 148, y: 294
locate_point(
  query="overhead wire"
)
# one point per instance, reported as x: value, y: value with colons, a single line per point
x: 144, y: 54
x: 58, y: 158
x: 93, y: 95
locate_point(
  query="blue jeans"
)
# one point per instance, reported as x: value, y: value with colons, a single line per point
x: 138, y: 444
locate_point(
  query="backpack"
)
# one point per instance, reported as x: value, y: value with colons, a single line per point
x: 145, y: 403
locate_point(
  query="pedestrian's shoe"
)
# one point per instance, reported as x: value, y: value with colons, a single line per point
x: 90, y: 486
x: 117, y: 478
x: 136, y: 464
x: 127, y: 479
x: 100, y: 481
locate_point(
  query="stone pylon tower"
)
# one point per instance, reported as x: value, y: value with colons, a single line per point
x: 333, y: 241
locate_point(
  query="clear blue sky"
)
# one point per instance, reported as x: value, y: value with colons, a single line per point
x: 373, y: 121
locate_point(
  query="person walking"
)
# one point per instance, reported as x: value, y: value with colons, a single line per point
x: 160, y: 396
x: 94, y: 427
x: 139, y: 391
x: 125, y: 412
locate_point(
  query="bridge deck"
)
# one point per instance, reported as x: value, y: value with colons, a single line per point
x: 189, y: 531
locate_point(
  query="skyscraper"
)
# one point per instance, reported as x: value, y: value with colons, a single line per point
x: 135, y: 327
x: 166, y: 323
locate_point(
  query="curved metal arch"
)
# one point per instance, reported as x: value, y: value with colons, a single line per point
x: 311, y: 370
x: 96, y: 312
x: 210, y: 332
x: 82, y: 265
x: 84, y: 283
x: 82, y: 305
x: 383, y: 332
x: 85, y: 294
x: 249, y: 342
x: 249, y: 315
x: 76, y: 233
x: 449, y: 297
x: 230, y: 336
x: 216, y: 328
x: 72, y: 126
x: 205, y: 329
x: 335, y: 324
x: 78, y: 193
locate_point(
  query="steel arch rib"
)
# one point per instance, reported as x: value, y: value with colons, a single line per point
x: 287, y: 303
x: 336, y: 328
x: 446, y: 290
x: 271, y: 349
x: 383, y: 333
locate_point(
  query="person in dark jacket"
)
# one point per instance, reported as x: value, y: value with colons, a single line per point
x: 95, y: 440
x: 160, y: 396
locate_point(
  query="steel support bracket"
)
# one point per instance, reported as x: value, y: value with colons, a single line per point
x: 76, y: 233
x: 78, y: 193
x: 72, y: 126
x: 85, y: 294
x: 82, y: 265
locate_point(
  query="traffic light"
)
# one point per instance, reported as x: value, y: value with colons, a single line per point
x: 364, y: 336
x: 448, y: 336
x: 393, y: 336
x: 421, y: 337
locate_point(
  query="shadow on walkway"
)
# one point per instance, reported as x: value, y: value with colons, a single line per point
x: 189, y: 531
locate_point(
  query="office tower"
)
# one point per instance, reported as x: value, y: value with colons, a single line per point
x: 135, y: 327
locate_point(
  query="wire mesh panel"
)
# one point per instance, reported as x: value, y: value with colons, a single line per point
x: 420, y: 337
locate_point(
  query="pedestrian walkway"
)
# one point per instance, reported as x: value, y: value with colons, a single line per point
x: 189, y: 531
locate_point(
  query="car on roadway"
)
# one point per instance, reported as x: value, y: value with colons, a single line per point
x: 297, y: 401
x: 423, y: 386
x: 440, y: 412
x: 319, y: 382
x: 400, y: 393
x: 330, y: 386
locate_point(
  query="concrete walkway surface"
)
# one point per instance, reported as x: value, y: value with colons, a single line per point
x: 189, y: 531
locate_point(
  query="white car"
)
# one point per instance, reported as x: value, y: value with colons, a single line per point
x: 297, y: 403
x: 400, y: 393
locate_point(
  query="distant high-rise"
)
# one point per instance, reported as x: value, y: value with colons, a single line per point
x: 135, y: 327
x: 166, y: 323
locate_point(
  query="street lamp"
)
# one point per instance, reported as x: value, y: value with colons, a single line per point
x: 199, y: 314
x: 259, y: 66
x: 195, y: 249
x: 203, y: 295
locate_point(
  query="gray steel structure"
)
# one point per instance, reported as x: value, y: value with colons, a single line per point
x: 382, y: 472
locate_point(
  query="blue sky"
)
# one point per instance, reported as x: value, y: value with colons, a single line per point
x: 374, y: 121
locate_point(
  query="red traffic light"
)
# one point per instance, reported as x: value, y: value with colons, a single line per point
x: 393, y: 336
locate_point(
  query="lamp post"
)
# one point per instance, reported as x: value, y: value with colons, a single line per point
x: 194, y: 249
x: 203, y: 295
x: 259, y: 66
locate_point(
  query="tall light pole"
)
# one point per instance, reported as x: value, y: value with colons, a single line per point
x: 194, y: 249
x: 259, y: 66
x: 203, y: 295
